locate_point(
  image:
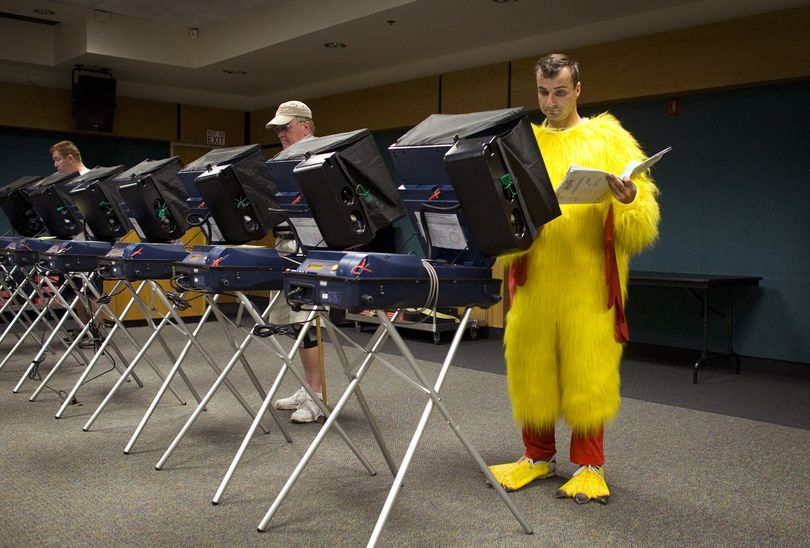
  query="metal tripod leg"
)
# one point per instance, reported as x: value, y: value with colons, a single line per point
x: 46, y: 310
x: 15, y: 296
x: 230, y: 334
x: 18, y: 297
x: 122, y: 379
x: 387, y: 326
x: 108, y: 341
x: 379, y: 336
x: 28, y: 300
x: 36, y: 281
x: 165, y: 320
x: 9, y: 285
x: 221, y: 379
x: 334, y: 336
x: 245, y: 304
x: 165, y: 380
x: 251, y: 431
x: 148, y: 314
x: 331, y: 416
x: 184, y: 328
x: 265, y: 407
x: 56, y: 298
x: 436, y: 400
x: 75, y: 345
x: 40, y: 356
x: 88, y: 285
x: 175, y: 368
x: 70, y: 312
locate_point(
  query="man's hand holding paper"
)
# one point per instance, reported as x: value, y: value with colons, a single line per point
x: 623, y: 189
x: 583, y: 185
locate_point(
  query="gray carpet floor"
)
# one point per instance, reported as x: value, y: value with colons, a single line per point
x: 678, y: 476
x: 776, y: 392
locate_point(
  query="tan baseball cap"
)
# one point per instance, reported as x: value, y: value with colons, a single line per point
x: 287, y: 111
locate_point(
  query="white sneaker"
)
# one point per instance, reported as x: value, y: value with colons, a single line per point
x: 291, y: 403
x: 308, y: 411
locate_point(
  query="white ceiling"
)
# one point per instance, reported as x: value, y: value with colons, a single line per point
x: 276, y: 47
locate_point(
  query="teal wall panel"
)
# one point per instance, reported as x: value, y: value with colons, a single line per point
x: 734, y: 195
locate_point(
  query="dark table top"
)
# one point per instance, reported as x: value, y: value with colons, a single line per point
x: 684, y: 279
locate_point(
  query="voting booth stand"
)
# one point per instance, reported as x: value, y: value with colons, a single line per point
x: 165, y: 199
x: 262, y: 268
x: 72, y: 260
x: 24, y: 291
x: 103, y: 220
x: 488, y: 151
x: 474, y: 186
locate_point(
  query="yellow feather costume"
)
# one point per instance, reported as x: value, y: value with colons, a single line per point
x: 561, y: 355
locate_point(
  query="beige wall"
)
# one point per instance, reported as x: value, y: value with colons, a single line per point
x: 748, y: 51
x: 35, y: 107
x: 382, y: 107
x: 754, y: 50
x: 475, y: 90
x: 259, y: 133
x: 196, y: 121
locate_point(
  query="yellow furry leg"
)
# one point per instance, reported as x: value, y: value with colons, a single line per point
x: 515, y: 475
x: 587, y: 483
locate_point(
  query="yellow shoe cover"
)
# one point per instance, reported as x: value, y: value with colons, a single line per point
x: 515, y: 475
x: 587, y: 483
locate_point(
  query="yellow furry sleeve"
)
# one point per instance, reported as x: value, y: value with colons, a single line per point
x: 636, y: 223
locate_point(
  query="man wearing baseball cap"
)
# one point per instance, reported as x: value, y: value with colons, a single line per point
x: 293, y: 123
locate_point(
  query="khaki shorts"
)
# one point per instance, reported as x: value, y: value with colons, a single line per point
x: 283, y: 314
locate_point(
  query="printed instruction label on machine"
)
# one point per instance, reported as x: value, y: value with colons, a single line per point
x: 308, y: 231
x: 445, y: 230
x: 137, y: 228
x: 216, y: 233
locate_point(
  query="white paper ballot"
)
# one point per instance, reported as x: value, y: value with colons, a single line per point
x: 308, y: 232
x: 216, y: 233
x: 137, y: 228
x: 634, y: 168
x: 445, y: 230
x: 583, y: 185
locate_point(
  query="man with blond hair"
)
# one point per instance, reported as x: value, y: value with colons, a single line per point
x: 67, y: 158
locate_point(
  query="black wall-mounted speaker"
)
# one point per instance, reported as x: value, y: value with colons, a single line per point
x: 93, y: 100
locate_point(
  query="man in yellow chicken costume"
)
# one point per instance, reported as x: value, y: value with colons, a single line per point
x: 566, y: 325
